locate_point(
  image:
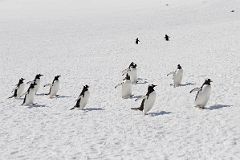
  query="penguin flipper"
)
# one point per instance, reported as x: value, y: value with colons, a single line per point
x: 141, y: 106
x: 170, y: 73
x: 118, y: 85
x: 11, y: 97
x: 195, y: 89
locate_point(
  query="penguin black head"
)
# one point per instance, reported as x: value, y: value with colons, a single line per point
x: 38, y: 76
x: 134, y: 66
x: 131, y: 65
x: 207, y: 82
x: 127, y: 77
x: 179, y: 66
x: 151, y: 88
x: 86, y: 86
x: 56, y: 77
x: 21, y: 80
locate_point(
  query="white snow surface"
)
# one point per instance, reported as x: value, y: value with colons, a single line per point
x: 91, y: 42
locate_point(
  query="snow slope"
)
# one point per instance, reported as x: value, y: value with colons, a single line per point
x: 91, y: 42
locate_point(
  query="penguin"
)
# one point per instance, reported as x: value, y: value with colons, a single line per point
x: 36, y: 81
x: 148, y: 100
x: 54, y: 87
x: 29, y: 95
x: 137, y: 41
x: 132, y: 71
x: 203, y: 94
x: 166, y: 37
x: 83, y: 98
x: 126, y: 87
x: 18, y: 91
x: 177, y: 76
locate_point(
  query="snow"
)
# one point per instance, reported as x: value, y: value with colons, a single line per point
x: 91, y: 42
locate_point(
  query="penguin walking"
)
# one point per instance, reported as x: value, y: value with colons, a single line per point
x: 18, y: 91
x: 166, y: 37
x: 132, y: 71
x: 203, y: 94
x: 148, y: 100
x: 177, y: 76
x: 137, y: 41
x: 36, y: 81
x: 83, y: 98
x: 126, y: 87
x: 29, y: 95
x: 54, y: 87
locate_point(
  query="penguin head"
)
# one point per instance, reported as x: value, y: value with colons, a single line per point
x: 179, y: 66
x: 86, y: 86
x: 134, y: 66
x: 38, y: 76
x: 151, y: 87
x: 208, y: 82
x: 131, y: 65
x: 127, y: 77
x: 56, y: 77
x: 21, y: 80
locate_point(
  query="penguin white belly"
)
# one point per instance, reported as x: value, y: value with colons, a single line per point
x: 177, y: 79
x: 84, y: 100
x: 20, y: 90
x: 37, y: 85
x: 203, y: 96
x: 54, y: 89
x: 133, y: 75
x: 149, y: 102
x: 127, y: 89
x: 29, y: 97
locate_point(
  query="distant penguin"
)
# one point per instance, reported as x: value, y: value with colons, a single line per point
x: 83, y: 98
x: 132, y: 71
x: 166, y: 37
x: 148, y: 100
x: 54, y: 87
x: 126, y: 87
x: 203, y: 94
x: 18, y: 91
x: 177, y: 76
x: 29, y: 95
x: 36, y: 81
x: 137, y: 41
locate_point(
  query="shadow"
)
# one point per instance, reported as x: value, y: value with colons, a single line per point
x: 187, y: 84
x: 182, y: 85
x: 93, y: 109
x: 136, y: 97
x: 154, y: 114
x: 62, y: 96
x: 41, y: 94
x: 141, y: 81
x: 36, y: 106
x: 218, y: 106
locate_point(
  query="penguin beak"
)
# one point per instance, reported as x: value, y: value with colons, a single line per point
x: 154, y: 85
x: 41, y: 75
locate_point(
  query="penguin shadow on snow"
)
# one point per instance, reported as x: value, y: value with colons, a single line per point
x: 92, y: 109
x: 154, y: 114
x: 218, y: 106
x: 185, y: 84
x: 141, y: 81
x: 136, y: 97
x: 37, y: 106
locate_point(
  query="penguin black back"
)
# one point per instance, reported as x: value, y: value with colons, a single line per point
x: 127, y: 77
x: 85, y: 88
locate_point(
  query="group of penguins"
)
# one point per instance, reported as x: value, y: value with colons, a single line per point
x: 130, y: 78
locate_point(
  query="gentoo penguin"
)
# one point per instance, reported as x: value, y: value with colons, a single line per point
x: 29, y: 95
x: 147, y: 100
x: 54, y: 87
x: 132, y: 71
x: 18, y: 91
x: 166, y: 37
x: 177, y: 76
x: 36, y: 81
x: 83, y: 98
x: 126, y: 87
x: 137, y: 41
x: 203, y: 94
